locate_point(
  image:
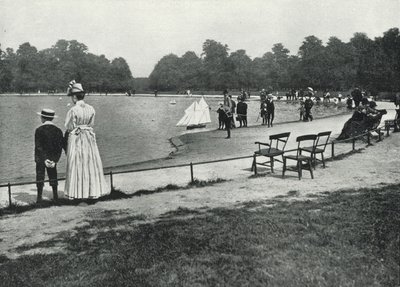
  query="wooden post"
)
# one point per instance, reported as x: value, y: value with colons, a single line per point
x: 111, y: 181
x: 354, y: 143
x: 387, y: 129
x: 9, y: 194
x: 191, y: 172
x: 254, y: 164
x: 333, y: 149
x: 368, y: 139
x: 379, y: 135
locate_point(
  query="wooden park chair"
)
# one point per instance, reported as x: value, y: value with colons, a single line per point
x: 320, y: 146
x: 302, y: 161
x: 275, y: 148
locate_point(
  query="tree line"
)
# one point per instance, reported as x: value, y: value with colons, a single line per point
x: 30, y: 70
x: 371, y: 64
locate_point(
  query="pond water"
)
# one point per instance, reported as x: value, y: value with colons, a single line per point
x: 128, y: 129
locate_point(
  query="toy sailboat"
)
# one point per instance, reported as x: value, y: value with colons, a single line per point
x: 197, y: 115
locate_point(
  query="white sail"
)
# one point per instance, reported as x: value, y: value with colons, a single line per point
x: 183, y: 122
x: 196, y: 114
x: 205, y: 116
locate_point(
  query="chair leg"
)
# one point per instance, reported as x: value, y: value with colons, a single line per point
x: 314, y: 160
x: 323, y: 160
x: 254, y: 165
x: 284, y: 166
x: 311, y: 170
x: 272, y: 164
x: 299, y: 167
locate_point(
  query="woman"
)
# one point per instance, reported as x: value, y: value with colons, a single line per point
x: 85, y: 178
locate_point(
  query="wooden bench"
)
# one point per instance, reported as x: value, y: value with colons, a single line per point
x: 391, y: 124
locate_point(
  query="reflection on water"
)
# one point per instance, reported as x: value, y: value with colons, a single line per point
x: 128, y: 129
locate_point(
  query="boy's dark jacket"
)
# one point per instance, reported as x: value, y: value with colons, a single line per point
x: 49, y: 143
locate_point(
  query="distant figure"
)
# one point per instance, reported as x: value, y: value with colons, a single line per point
x: 228, y: 113
x: 270, y: 110
x: 242, y: 112
x: 263, y: 112
x: 155, y: 93
x: 221, y: 116
x: 84, y: 175
x: 302, y: 110
x: 357, y: 96
x: 349, y: 102
x: 308, y: 104
x: 397, y: 116
x: 233, y: 110
x: 49, y: 143
x: 327, y: 97
x: 263, y: 95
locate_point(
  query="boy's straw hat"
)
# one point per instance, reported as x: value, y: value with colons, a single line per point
x: 47, y: 113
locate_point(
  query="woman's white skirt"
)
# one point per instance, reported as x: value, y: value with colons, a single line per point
x: 84, y: 176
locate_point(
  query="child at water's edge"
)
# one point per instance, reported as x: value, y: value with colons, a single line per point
x: 49, y: 142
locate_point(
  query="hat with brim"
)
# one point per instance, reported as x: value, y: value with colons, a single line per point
x: 47, y: 113
x: 74, y: 88
x: 310, y: 89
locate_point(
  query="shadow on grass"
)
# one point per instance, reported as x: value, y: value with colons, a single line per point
x: 114, y: 195
x: 346, y: 238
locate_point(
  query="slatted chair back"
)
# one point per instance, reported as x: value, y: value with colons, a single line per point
x: 304, y: 141
x: 279, y: 141
x: 322, y: 140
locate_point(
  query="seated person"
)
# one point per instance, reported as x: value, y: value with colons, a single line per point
x: 364, y: 118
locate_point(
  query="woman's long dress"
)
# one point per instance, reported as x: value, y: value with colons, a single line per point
x: 85, y: 177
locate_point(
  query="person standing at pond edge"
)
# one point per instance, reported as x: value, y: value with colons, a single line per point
x: 48, y: 148
x: 270, y: 110
x: 84, y: 175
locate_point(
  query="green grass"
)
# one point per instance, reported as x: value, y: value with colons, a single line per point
x: 348, y: 238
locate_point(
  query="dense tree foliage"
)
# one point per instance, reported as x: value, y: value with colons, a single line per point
x: 30, y: 70
x: 370, y: 64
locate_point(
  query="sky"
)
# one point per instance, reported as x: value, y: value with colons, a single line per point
x: 143, y: 31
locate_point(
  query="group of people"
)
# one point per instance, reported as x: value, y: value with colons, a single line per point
x: 84, y: 171
x: 365, y: 117
x: 267, y: 108
x: 227, y: 111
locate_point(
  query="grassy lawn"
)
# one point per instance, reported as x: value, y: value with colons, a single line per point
x: 348, y: 238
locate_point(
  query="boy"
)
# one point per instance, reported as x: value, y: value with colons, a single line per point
x: 49, y: 142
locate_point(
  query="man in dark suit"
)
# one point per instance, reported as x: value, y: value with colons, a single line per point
x: 49, y: 143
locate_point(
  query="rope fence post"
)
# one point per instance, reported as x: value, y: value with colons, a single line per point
x: 254, y: 164
x: 333, y: 149
x: 9, y: 194
x: 368, y: 139
x: 387, y: 129
x: 111, y: 180
x: 379, y: 135
x: 191, y: 173
x: 354, y: 143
